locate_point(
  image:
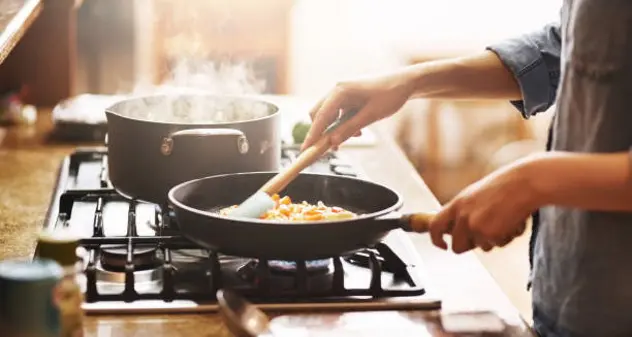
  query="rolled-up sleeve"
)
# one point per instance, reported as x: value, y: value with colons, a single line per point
x: 534, y: 60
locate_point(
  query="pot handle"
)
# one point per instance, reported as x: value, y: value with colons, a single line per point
x: 240, y: 138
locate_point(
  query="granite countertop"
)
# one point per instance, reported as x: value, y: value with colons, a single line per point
x: 28, y: 169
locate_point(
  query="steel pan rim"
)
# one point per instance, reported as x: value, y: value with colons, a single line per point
x: 363, y: 217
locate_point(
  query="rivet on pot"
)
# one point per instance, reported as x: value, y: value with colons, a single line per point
x: 242, y: 144
x: 167, y: 146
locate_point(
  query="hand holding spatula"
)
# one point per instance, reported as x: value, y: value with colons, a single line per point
x: 260, y: 202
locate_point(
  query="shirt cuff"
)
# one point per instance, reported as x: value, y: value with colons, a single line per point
x: 523, y: 58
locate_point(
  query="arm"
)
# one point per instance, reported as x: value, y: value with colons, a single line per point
x: 462, y: 78
x: 524, y: 70
x: 598, y: 182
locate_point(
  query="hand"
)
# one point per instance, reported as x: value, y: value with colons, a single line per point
x: 375, y: 98
x: 491, y: 212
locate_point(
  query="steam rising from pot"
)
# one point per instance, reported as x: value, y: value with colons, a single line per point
x: 183, y: 97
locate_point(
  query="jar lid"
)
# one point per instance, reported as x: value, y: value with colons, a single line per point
x: 29, y: 271
x: 59, y: 245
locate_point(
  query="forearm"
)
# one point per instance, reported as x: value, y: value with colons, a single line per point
x: 599, y: 182
x: 480, y: 76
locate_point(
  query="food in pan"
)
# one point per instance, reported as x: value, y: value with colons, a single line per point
x: 286, y: 210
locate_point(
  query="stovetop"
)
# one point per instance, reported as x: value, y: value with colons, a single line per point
x: 135, y: 260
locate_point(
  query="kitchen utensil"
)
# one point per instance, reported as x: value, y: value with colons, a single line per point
x: 197, y: 203
x: 261, y: 201
x: 242, y: 318
x: 156, y: 142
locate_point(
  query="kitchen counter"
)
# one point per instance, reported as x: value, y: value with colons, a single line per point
x: 28, y: 168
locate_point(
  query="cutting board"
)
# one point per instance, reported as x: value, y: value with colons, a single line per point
x: 392, y: 323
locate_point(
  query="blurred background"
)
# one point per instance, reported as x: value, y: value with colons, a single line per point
x: 300, y: 47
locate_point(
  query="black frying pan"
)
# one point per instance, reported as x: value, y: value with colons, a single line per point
x: 196, y: 204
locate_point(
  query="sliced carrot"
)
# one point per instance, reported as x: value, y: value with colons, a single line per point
x: 285, y: 210
x: 314, y: 217
x: 285, y: 200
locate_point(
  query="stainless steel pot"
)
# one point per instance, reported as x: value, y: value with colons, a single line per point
x: 156, y: 142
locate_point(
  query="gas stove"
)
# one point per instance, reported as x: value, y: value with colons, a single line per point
x: 135, y: 260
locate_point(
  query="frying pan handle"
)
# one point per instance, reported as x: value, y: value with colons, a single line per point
x: 208, y: 135
x: 416, y: 222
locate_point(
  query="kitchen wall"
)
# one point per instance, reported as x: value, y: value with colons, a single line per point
x: 335, y: 39
x: 330, y: 39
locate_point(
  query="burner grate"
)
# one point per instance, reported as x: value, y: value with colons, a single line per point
x: 260, y: 286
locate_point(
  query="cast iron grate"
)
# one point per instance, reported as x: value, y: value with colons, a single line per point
x: 377, y: 260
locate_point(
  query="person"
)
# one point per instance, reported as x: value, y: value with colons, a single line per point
x: 579, y: 191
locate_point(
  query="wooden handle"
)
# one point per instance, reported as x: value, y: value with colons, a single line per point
x: 305, y: 159
x: 420, y: 222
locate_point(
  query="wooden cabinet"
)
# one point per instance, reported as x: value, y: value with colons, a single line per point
x: 251, y: 31
x: 38, y: 48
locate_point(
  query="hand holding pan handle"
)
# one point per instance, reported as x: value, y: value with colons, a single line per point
x: 418, y: 222
x: 206, y: 137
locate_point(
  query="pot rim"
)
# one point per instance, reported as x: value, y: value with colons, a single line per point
x: 275, y: 110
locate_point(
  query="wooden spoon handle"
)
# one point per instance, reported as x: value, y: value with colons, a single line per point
x: 304, y: 160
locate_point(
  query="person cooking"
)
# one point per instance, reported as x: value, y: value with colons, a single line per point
x: 579, y: 191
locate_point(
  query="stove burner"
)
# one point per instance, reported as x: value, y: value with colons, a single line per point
x: 264, y: 275
x: 165, y: 267
x: 114, y: 258
x: 112, y: 282
x: 312, y: 267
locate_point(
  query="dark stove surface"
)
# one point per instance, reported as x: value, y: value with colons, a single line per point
x: 135, y: 260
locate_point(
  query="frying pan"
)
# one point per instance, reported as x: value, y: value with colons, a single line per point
x: 196, y: 204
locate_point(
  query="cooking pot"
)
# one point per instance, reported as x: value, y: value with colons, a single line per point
x: 156, y: 142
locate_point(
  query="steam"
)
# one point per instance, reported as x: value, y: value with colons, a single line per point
x: 198, y: 91
x: 197, y: 88
x: 188, y: 93
x: 201, y: 76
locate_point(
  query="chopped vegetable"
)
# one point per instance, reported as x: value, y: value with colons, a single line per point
x: 285, y: 210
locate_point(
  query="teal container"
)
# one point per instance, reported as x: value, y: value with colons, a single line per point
x: 27, y: 298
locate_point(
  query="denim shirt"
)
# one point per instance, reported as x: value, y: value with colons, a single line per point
x: 581, y: 275
x: 534, y: 60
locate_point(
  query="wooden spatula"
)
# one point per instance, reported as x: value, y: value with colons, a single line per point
x: 260, y: 202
